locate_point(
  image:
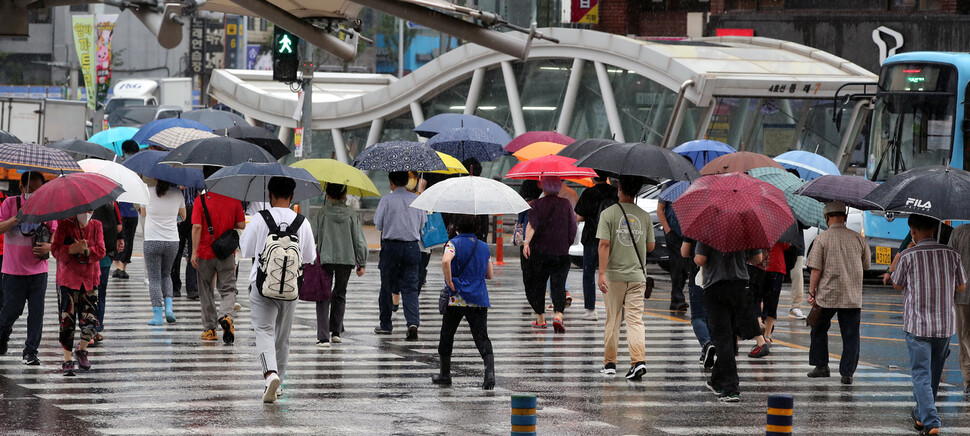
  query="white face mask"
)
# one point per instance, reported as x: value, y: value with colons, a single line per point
x: 27, y: 195
x: 83, y: 218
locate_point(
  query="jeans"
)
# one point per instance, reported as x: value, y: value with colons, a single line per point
x: 17, y: 292
x: 399, y: 264
x: 102, y: 294
x: 927, y: 356
x: 818, y: 354
x: 726, y: 311
x: 591, y: 265
x: 698, y: 310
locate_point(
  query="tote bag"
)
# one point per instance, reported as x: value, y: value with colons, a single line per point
x: 434, y: 232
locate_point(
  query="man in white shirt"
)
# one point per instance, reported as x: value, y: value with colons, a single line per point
x: 272, y: 319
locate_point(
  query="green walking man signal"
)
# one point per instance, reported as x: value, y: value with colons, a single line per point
x: 286, y: 59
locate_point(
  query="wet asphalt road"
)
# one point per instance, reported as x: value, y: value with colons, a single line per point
x: 164, y: 380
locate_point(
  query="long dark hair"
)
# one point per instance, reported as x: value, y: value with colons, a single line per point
x: 162, y: 187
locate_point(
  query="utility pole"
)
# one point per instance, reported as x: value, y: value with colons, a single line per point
x: 400, y: 48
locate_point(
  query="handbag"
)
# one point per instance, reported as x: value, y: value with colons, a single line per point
x: 39, y: 233
x: 813, y: 316
x: 434, y: 232
x: 227, y: 242
x: 317, y: 282
x: 445, y: 295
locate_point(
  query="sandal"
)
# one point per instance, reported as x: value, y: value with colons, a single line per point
x: 536, y: 325
x: 569, y: 300
x: 558, y: 326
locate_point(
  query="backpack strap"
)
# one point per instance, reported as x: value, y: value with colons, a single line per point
x: 295, y: 225
x: 633, y: 239
x: 270, y: 222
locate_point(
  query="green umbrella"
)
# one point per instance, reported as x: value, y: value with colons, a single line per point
x: 807, y: 210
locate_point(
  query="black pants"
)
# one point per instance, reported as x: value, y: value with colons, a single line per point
x: 423, y: 270
x: 540, y: 268
x: 478, y: 321
x: 818, y: 354
x: 330, y: 314
x: 128, y: 227
x: 191, y: 279
x: 679, y: 270
x: 725, y: 311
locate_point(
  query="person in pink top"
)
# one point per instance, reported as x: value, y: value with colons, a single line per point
x: 78, y: 246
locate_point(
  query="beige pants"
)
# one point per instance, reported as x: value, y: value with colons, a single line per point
x: 624, y: 297
x: 963, y: 335
x: 797, y: 283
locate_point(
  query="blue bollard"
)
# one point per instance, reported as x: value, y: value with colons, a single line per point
x: 780, y: 413
x: 524, y: 414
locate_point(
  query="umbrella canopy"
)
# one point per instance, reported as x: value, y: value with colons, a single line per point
x: 933, y: 191
x: 807, y: 210
x: 672, y: 192
x: 153, y: 127
x: 551, y: 165
x: 260, y: 137
x: 738, y: 162
x: 640, y: 159
x: 173, y: 137
x: 703, y: 151
x: 538, y: 149
x: 541, y: 136
x: 399, y: 156
x: 468, y: 142
x: 112, y: 138
x: 77, y: 147
x: 471, y: 196
x: 583, y: 147
x: 848, y: 189
x: 136, y: 191
x: 214, y: 119
x: 9, y: 138
x: 333, y: 171
x: 68, y: 196
x: 444, y: 122
x: 33, y: 157
x: 733, y: 212
x: 454, y: 165
x: 810, y: 166
x: 147, y: 164
x: 217, y: 151
x: 247, y: 181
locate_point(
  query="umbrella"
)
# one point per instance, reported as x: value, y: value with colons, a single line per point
x: 848, y: 189
x: 173, y: 137
x: 79, y: 147
x: 466, y: 143
x: 135, y: 189
x: 68, y: 196
x: 399, y: 156
x: 538, y: 149
x: 640, y: 159
x: 8, y: 138
x: 444, y: 122
x: 806, y: 210
x: 217, y: 151
x: 738, y: 162
x: 733, y: 212
x: 214, y: 119
x: 247, y: 181
x: 551, y: 165
x: 471, y: 196
x: 810, y: 166
x: 153, y: 127
x: 934, y: 191
x: 542, y: 136
x: 33, y: 157
x: 703, y: 151
x: 261, y: 137
x: 112, y: 138
x: 333, y: 171
x: 454, y: 165
x: 672, y: 192
x: 583, y: 147
x: 147, y: 164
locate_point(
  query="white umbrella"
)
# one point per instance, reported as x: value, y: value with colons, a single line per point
x: 136, y: 191
x: 471, y: 196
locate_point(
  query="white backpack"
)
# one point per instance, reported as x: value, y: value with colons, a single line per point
x: 280, y: 273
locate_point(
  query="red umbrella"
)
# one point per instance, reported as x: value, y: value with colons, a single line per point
x: 551, y: 165
x: 738, y: 162
x: 67, y: 196
x: 528, y: 138
x: 733, y: 212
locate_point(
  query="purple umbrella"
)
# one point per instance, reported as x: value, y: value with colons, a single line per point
x: 850, y: 190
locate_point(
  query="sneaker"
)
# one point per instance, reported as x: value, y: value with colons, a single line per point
x: 412, y: 333
x: 608, y: 369
x: 381, y: 331
x: 323, y: 344
x: 116, y: 274
x: 335, y: 339
x: 210, y: 335
x: 708, y: 356
x: 637, y: 370
x: 796, y: 313
x: 819, y: 371
x: 82, y: 359
x: 31, y: 359
x: 759, y: 351
x: 679, y: 307
x: 236, y: 307
x: 68, y: 368
x: 272, y: 384
x: 228, y: 332
x: 710, y: 387
x: 729, y: 398
x: 590, y: 315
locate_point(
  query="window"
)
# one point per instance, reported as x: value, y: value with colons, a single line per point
x: 250, y: 23
x: 79, y: 8
x: 262, y: 24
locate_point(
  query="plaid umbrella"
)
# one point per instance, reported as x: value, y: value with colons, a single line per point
x: 173, y: 137
x: 806, y: 210
x: 468, y: 143
x: 527, y: 138
x: 67, y: 196
x: 33, y: 157
x: 150, y: 129
x: 399, y: 156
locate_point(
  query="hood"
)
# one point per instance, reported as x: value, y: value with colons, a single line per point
x: 337, y: 212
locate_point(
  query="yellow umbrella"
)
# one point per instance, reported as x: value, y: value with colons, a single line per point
x: 332, y: 171
x: 538, y: 149
x: 453, y: 164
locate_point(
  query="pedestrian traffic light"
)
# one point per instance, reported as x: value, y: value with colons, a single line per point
x: 286, y: 58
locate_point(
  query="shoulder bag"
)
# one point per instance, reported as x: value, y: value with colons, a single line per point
x: 317, y: 282
x: 648, y: 281
x: 227, y: 242
x: 445, y: 294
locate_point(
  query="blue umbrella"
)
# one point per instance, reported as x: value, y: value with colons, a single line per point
x: 468, y: 142
x: 247, y: 181
x: 702, y: 151
x: 399, y: 156
x: 150, y: 129
x: 112, y: 138
x: 147, y: 164
x: 444, y: 122
x: 673, y: 191
x: 810, y: 166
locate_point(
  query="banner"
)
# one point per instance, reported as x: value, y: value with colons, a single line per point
x: 233, y: 40
x: 85, y: 45
x: 105, y: 26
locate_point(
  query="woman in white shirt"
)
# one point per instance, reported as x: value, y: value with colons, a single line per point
x: 165, y: 205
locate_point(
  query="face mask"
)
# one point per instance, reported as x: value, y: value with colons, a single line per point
x: 27, y: 195
x: 412, y: 183
x: 83, y: 218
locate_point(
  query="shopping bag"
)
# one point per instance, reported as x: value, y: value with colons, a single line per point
x: 434, y: 232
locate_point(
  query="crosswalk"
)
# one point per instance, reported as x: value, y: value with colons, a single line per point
x: 164, y: 380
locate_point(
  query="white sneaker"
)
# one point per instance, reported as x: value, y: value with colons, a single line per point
x: 236, y: 307
x: 335, y: 339
x: 590, y: 315
x: 146, y: 281
x: 272, y: 384
x: 796, y: 313
x: 322, y: 344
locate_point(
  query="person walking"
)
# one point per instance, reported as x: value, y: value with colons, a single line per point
x: 112, y: 235
x: 165, y: 206
x: 273, y: 319
x: 591, y: 203
x: 960, y: 241
x: 625, y: 233
x: 129, y: 221
x: 929, y: 274
x: 837, y: 260
x: 185, y: 242
x: 400, y: 257
x: 466, y: 264
x: 214, y: 215
x: 765, y: 304
x: 78, y: 246
x: 679, y: 265
x: 698, y: 310
x: 550, y: 232
x: 797, y: 273
x: 342, y: 248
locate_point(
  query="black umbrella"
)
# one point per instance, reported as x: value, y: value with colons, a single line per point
x: 935, y: 191
x: 219, y: 151
x: 640, y: 159
x: 216, y: 120
x: 8, y: 138
x: 259, y: 136
x: 77, y: 147
x: 584, y: 147
x: 848, y: 189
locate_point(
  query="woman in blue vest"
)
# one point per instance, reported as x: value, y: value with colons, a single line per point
x: 466, y: 264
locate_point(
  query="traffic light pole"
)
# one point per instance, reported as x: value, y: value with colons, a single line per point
x: 306, y: 121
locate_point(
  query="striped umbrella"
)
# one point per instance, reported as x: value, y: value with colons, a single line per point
x: 805, y: 209
x: 33, y: 157
x: 173, y: 137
